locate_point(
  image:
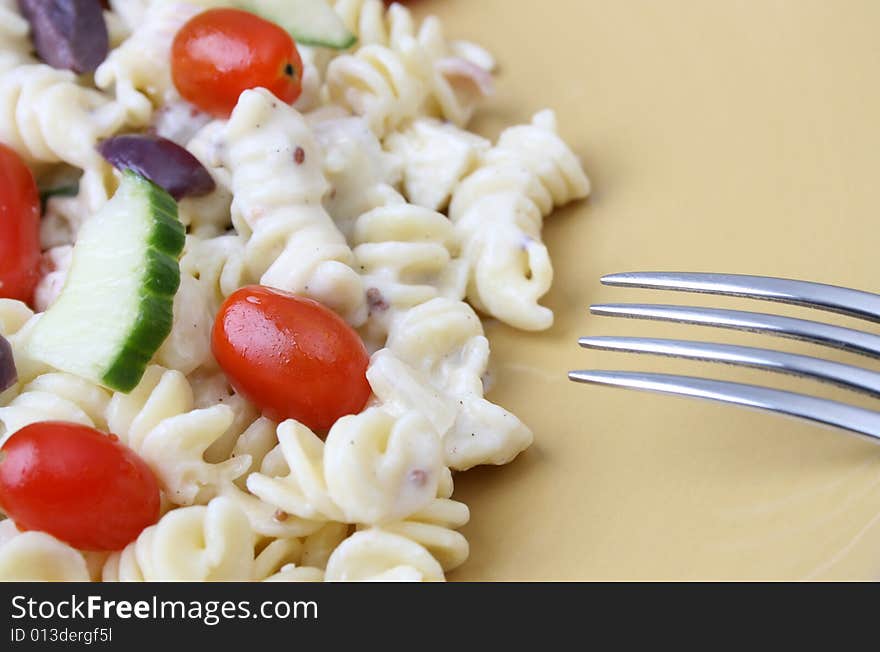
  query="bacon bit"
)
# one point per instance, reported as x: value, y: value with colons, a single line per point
x: 376, y: 301
x: 299, y: 155
x: 461, y: 72
x: 280, y: 515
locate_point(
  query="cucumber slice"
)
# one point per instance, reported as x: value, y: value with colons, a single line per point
x: 310, y: 22
x: 115, y: 309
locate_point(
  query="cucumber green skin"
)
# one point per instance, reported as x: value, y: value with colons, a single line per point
x: 155, y: 316
x: 300, y: 35
x: 304, y: 39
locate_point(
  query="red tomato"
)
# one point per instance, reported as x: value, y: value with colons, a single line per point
x: 291, y: 356
x: 222, y: 52
x: 19, y: 228
x: 79, y: 485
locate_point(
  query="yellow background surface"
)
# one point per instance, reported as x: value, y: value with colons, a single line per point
x: 720, y: 135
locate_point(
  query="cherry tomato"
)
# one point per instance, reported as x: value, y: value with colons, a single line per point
x: 79, y: 485
x: 291, y: 356
x: 220, y: 53
x: 19, y: 228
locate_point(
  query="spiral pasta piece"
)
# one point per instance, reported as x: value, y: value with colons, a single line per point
x: 299, y: 560
x: 375, y: 555
x: 538, y: 148
x: 278, y: 184
x: 259, y: 444
x: 380, y: 468
x: 386, y: 87
x: 434, y: 528
x: 406, y: 256
x: 456, y: 75
x: 210, y: 270
x: 458, y: 83
x: 297, y: 484
x: 361, y: 175
x: 498, y: 213
x: 47, y: 117
x: 38, y: 557
x: 281, y: 560
x: 433, y: 362
x: 200, y: 543
x: 437, y: 156
x: 373, y: 468
x: 188, y: 345
x: 211, y: 387
x: 55, y: 396
x: 218, y: 264
x: 160, y: 422
x: 373, y: 24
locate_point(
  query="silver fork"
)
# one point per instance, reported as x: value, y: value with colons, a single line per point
x: 854, y: 303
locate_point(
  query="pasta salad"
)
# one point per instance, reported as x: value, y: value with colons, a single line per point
x: 244, y: 251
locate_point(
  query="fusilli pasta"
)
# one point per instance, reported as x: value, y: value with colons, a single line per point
x: 386, y: 87
x: 375, y: 555
x: 456, y: 75
x: 434, y: 362
x: 360, y: 174
x: 437, y: 156
x: 55, y: 396
x: 159, y: 420
x: 200, y: 543
x: 373, y: 468
x: 406, y: 255
x: 498, y: 212
x: 48, y: 117
x: 38, y: 557
x: 278, y: 184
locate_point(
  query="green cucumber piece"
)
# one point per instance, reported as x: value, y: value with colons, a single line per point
x: 310, y: 22
x: 115, y: 309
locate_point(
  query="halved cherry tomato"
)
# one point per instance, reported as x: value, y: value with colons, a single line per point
x: 291, y: 356
x: 220, y: 53
x: 77, y: 484
x: 19, y: 228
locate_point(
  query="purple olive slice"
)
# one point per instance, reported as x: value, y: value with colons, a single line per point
x: 68, y: 34
x: 160, y: 160
x: 8, y: 373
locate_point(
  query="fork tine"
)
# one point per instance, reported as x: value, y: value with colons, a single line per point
x: 833, y: 298
x: 819, y: 410
x: 838, y: 337
x: 844, y: 375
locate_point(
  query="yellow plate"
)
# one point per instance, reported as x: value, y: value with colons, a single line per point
x: 720, y: 136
